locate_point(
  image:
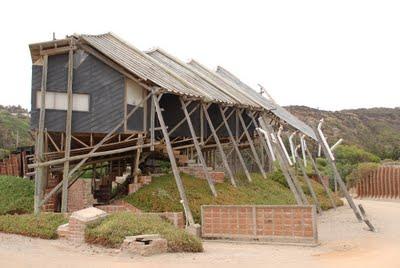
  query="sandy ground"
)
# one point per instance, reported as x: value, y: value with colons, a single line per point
x: 344, y: 243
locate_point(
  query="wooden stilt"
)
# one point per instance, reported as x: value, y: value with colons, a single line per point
x: 338, y: 178
x: 68, y: 128
x: 309, y: 185
x: 137, y: 160
x: 246, y: 172
x: 264, y: 145
x: 253, y: 149
x: 39, y: 145
x: 219, y: 146
x: 152, y: 124
x: 326, y: 188
x: 280, y: 157
x: 174, y: 167
x: 198, y: 149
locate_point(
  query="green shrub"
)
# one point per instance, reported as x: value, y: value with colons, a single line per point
x: 16, y: 195
x: 362, y: 170
x: 111, y: 231
x: 44, y: 226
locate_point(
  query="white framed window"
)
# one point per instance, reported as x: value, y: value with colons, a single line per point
x: 134, y: 93
x: 59, y: 101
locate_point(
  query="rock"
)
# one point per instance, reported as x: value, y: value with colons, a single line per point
x: 145, y: 245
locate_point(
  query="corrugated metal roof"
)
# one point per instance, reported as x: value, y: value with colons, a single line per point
x: 229, y: 87
x: 141, y: 64
x: 279, y: 111
x: 192, y: 76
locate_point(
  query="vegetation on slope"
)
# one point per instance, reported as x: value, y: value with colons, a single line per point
x: 16, y: 195
x: 112, y: 231
x: 376, y: 130
x: 162, y: 194
x: 43, y: 226
x: 14, y: 128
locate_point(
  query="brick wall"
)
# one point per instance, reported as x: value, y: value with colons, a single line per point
x: 288, y: 224
x: 197, y: 171
x: 80, y: 195
x: 381, y: 183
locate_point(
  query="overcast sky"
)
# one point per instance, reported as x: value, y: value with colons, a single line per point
x: 325, y: 54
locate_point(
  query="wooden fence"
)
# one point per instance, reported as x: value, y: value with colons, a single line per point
x: 14, y: 165
x: 381, y: 183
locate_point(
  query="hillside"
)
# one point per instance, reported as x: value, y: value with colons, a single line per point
x: 376, y: 130
x: 14, y: 128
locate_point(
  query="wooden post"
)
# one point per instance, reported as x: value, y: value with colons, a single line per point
x: 336, y: 174
x: 219, y: 146
x: 137, y: 160
x: 39, y: 150
x: 198, y: 149
x: 233, y: 141
x: 309, y: 185
x: 152, y: 123
x: 174, y: 167
x: 326, y: 188
x: 253, y: 149
x: 280, y: 157
x: 264, y: 145
x: 68, y: 128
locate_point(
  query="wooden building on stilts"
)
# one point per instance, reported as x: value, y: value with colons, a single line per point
x: 99, y: 103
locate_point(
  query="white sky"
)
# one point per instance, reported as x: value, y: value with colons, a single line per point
x: 325, y: 54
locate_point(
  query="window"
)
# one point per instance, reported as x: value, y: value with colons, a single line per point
x: 59, y: 101
x: 134, y: 93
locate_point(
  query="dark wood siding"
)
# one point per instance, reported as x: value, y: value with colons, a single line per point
x: 104, y: 85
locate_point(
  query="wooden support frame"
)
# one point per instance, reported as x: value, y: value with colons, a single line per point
x: 198, y: 149
x: 326, y: 188
x: 220, y: 125
x: 280, y: 158
x: 338, y: 178
x: 39, y: 150
x: 252, y: 147
x: 264, y: 144
x: 219, y: 146
x: 178, y: 180
x: 233, y: 141
x: 68, y: 130
x: 137, y: 160
x: 309, y: 185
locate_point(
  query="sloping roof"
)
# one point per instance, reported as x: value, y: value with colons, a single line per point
x: 197, y: 79
x: 279, y: 111
x: 141, y: 64
x: 229, y: 87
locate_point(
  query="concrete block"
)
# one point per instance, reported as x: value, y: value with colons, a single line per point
x: 145, y: 245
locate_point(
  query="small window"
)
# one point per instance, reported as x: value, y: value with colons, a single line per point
x: 134, y: 93
x: 59, y: 101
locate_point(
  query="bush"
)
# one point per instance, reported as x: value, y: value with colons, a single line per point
x: 44, y: 226
x: 362, y: 170
x: 16, y: 195
x: 111, y: 231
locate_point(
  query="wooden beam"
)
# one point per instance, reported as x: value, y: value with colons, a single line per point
x: 219, y: 146
x: 178, y: 180
x: 56, y: 51
x: 246, y: 172
x: 68, y: 130
x: 152, y: 123
x: 336, y: 174
x: 221, y: 125
x: 309, y: 185
x: 137, y: 160
x: 182, y: 121
x: 198, y: 149
x: 264, y: 144
x: 39, y: 150
x: 52, y: 142
x: 326, y: 188
x: 280, y: 157
x: 252, y: 148
x: 79, y: 141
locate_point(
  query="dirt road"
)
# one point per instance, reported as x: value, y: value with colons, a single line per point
x: 344, y: 243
